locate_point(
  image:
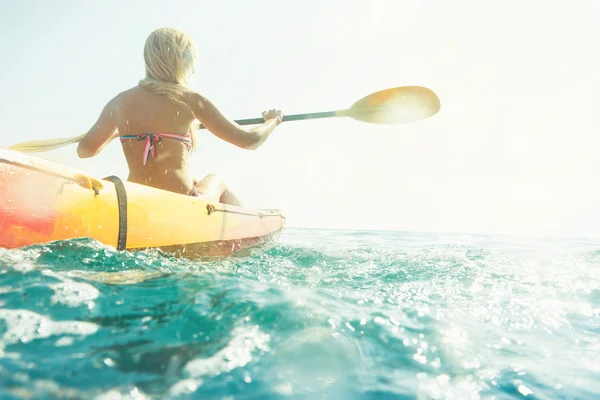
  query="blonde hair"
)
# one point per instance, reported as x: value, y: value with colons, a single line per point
x: 169, y: 57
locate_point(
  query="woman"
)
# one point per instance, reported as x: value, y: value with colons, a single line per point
x: 154, y: 122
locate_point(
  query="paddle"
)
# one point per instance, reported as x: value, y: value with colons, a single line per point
x: 390, y: 106
x: 387, y: 107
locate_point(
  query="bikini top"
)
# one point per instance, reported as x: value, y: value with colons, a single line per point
x: 153, y: 138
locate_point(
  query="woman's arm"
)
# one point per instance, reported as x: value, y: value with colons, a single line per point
x: 103, y: 131
x: 224, y: 128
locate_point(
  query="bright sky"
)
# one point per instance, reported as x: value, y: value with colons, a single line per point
x: 513, y: 149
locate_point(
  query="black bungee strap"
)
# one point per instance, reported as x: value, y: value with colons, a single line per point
x: 122, y: 203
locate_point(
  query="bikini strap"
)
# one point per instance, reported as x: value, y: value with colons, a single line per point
x: 152, y: 138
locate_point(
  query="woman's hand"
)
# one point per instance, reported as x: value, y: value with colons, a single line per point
x: 224, y: 128
x: 273, y: 113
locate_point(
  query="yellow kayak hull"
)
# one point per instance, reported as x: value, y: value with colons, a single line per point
x: 43, y: 201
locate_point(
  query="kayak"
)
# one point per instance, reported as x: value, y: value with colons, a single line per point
x: 43, y: 201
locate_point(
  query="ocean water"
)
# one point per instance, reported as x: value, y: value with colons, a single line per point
x: 321, y: 314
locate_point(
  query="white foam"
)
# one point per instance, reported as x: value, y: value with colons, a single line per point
x: 64, y: 341
x: 114, y: 394
x: 236, y: 354
x: 185, y: 387
x: 73, y: 294
x: 70, y: 292
x: 25, y: 326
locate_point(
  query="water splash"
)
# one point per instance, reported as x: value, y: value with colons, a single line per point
x: 331, y: 313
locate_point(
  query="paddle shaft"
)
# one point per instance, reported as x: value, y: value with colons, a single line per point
x: 293, y: 117
x: 390, y: 106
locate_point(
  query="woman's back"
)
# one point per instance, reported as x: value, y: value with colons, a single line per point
x: 140, y: 111
x: 154, y: 119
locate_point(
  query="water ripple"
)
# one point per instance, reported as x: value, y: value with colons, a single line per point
x: 332, y: 313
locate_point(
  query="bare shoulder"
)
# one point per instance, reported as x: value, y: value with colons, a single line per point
x: 128, y: 97
x: 195, y: 99
x: 119, y: 98
x: 200, y: 104
x: 131, y: 93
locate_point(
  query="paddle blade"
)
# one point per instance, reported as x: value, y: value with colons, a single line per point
x: 39, y: 146
x: 395, y: 106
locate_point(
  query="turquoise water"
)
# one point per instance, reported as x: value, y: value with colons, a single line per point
x: 322, y: 314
